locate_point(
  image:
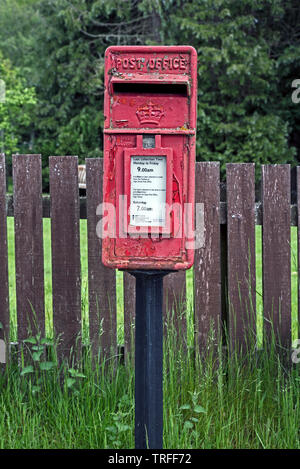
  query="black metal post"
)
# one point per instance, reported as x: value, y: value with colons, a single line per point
x: 149, y: 359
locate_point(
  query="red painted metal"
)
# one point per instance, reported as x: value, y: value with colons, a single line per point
x: 149, y: 90
x: 147, y: 152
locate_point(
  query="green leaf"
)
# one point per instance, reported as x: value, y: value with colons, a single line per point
x: 36, y: 356
x: 38, y: 348
x: 46, y: 342
x: 193, y: 419
x: 75, y: 373
x: 199, y: 410
x: 185, y: 407
x: 122, y: 427
x: 27, y: 369
x: 188, y: 425
x: 111, y: 429
x: 70, y: 382
x: 30, y: 340
x: 35, y: 389
x: 45, y: 366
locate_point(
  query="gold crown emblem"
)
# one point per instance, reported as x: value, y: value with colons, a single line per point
x: 150, y: 113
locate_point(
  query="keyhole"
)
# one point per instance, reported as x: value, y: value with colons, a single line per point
x: 148, y: 141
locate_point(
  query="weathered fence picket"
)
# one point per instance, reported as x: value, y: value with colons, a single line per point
x: 276, y: 198
x: 102, y: 280
x: 224, y: 272
x: 29, y: 255
x: 129, y: 313
x: 174, y: 307
x: 65, y: 242
x: 207, y: 268
x: 241, y: 254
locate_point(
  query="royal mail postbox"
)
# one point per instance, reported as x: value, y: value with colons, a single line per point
x: 149, y: 157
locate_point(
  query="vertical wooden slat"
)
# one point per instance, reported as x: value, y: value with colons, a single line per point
x: 102, y: 280
x: 174, y: 306
x: 29, y: 256
x: 241, y: 255
x: 207, y: 267
x: 129, y: 313
x: 4, y: 289
x: 66, y: 279
x: 277, y: 253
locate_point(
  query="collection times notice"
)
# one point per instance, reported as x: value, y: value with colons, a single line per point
x: 148, y: 190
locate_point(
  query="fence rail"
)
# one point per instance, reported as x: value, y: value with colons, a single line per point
x: 83, y: 209
x: 224, y: 273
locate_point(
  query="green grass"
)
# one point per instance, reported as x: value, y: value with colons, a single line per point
x: 213, y: 403
x: 247, y: 404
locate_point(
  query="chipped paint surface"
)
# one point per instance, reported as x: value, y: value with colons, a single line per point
x: 149, y: 90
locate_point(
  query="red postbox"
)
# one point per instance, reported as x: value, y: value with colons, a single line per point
x: 149, y: 157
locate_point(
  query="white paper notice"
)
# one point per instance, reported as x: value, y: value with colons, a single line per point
x: 148, y: 190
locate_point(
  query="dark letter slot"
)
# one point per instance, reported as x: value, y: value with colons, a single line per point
x: 151, y: 88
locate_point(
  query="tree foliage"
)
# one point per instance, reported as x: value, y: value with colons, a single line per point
x: 239, y: 103
x: 249, y: 54
x: 16, y: 108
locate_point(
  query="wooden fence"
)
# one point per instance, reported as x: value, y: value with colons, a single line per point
x: 224, y: 272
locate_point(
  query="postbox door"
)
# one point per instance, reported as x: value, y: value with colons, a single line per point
x: 148, y: 174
